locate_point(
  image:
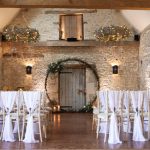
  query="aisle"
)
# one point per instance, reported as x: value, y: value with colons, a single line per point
x: 73, y: 131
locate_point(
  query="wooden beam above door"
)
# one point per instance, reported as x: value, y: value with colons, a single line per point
x: 90, y: 4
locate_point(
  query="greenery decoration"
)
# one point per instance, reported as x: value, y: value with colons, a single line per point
x: 55, y: 67
x: 20, y: 34
x: 87, y: 108
x: 58, y: 66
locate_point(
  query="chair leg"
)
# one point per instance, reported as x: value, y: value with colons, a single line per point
x: 18, y: 122
x: 148, y: 129
x: 120, y: 128
x: 3, y: 124
x: 127, y: 132
x: 93, y: 123
x: 23, y: 125
x: 97, y: 131
x: 44, y: 130
x: 40, y: 132
x: 105, y: 137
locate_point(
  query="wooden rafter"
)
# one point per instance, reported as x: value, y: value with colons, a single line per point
x: 91, y: 4
x: 70, y: 11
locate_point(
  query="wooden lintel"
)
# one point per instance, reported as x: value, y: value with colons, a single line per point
x: 70, y: 11
x: 61, y: 43
x: 89, y: 4
x: 84, y: 43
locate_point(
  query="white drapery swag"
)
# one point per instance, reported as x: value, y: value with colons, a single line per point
x: 114, y: 102
x: 8, y: 99
x: 32, y: 101
x: 126, y: 104
x: 19, y: 103
x: 146, y: 109
x: 103, y: 100
x: 137, y: 99
x: 104, y: 105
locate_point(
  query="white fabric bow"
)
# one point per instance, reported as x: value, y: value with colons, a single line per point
x: 114, y: 101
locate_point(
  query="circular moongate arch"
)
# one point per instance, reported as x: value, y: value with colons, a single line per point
x: 58, y: 66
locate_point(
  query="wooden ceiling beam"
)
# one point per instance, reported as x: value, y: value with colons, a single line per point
x: 89, y: 4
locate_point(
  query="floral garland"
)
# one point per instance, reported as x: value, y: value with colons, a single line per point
x: 20, y: 34
x: 58, y: 66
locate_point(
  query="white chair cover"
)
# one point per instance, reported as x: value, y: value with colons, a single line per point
x: 1, y: 102
x: 32, y: 101
x: 19, y: 103
x: 147, y: 112
x: 103, y: 102
x: 145, y: 105
x: 126, y: 104
x: 8, y: 99
x: 114, y: 101
x: 137, y: 99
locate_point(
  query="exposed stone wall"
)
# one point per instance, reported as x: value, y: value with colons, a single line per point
x: 103, y: 58
x: 48, y: 24
x: 144, y: 59
x: 126, y: 56
x: 0, y: 67
x: 0, y: 63
x: 91, y: 85
x: 104, y: 18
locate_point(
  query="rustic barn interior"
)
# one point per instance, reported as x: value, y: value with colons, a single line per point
x: 71, y: 51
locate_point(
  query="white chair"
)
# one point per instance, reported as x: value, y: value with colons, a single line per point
x: 46, y: 109
x: 95, y: 116
x: 103, y: 116
x: 8, y: 99
x: 33, y: 106
x: 2, y: 116
x: 137, y: 102
x: 19, y: 113
x: 145, y: 114
x: 114, y: 105
x: 127, y: 114
x: 96, y: 111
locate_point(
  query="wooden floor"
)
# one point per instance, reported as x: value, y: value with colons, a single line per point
x: 73, y: 131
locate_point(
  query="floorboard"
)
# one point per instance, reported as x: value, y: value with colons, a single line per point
x: 73, y: 131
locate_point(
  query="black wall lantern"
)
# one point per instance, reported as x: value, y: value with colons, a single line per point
x: 115, y: 69
x: 28, y: 69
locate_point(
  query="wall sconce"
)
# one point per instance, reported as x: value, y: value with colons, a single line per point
x: 115, y: 69
x: 28, y: 69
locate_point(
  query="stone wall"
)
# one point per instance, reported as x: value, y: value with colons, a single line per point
x: 48, y: 24
x: 144, y: 59
x: 126, y: 57
x: 0, y: 66
x: 103, y: 57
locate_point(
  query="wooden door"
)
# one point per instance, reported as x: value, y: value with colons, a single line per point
x: 71, y: 26
x: 72, y: 89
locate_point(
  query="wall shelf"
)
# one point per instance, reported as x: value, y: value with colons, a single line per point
x: 84, y: 43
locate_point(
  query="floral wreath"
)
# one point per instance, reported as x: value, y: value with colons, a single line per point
x: 58, y: 66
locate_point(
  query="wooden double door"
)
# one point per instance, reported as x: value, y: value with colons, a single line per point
x: 72, y: 89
